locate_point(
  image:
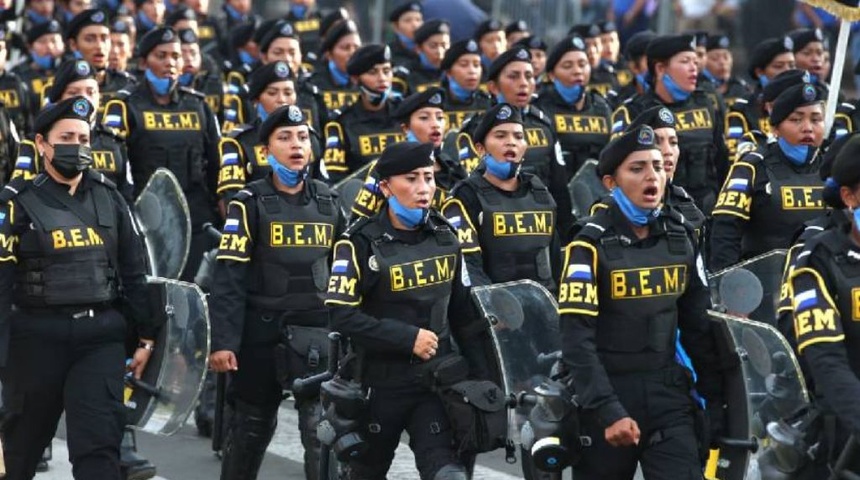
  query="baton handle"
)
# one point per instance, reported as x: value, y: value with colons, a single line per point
x: 150, y: 390
x: 750, y: 444
x: 218, y: 421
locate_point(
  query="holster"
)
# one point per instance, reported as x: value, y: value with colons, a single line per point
x: 477, y: 410
x: 301, y: 352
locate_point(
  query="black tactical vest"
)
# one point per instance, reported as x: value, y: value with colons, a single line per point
x: 681, y: 201
x: 108, y: 155
x: 15, y: 99
x: 256, y: 166
x: 420, y: 79
x: 790, y: 199
x: 696, y: 170
x: 638, y: 291
x: 64, y: 260
x: 582, y: 134
x: 290, y: 262
x: 368, y: 133
x: 110, y: 90
x: 335, y: 97
x: 541, y: 144
x: 516, y: 232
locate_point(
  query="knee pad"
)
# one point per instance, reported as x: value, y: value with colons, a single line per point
x: 451, y: 472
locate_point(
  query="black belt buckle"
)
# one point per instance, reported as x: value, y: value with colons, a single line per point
x: 88, y: 313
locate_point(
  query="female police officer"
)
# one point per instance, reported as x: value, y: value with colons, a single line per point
x: 639, y: 266
x: 505, y: 218
x: 769, y: 194
x: 395, y: 278
x: 272, y: 267
x: 70, y: 257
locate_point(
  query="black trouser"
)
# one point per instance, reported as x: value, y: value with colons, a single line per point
x: 661, y: 405
x: 416, y: 410
x: 59, y: 363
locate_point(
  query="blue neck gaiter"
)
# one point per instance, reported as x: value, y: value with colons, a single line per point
x: 485, y: 61
x: 763, y: 80
x: 813, y: 78
x: 45, y: 63
x: 69, y: 15
x: 185, y: 79
x: 797, y: 154
x: 298, y: 11
x: 233, y: 13
x: 262, y: 114
x: 856, y: 214
x: 500, y: 170
x: 406, y: 41
x: 710, y: 76
x: 410, y: 217
x: 677, y: 93
x: 78, y: 55
x: 410, y: 137
x: 160, y: 85
x: 375, y: 98
x: 571, y: 94
x: 246, y: 58
x: 642, y: 79
x: 37, y: 18
x: 145, y: 22
x: 426, y: 63
x: 340, y: 78
x: 500, y: 98
x: 458, y: 90
x: 637, y: 216
x: 288, y: 177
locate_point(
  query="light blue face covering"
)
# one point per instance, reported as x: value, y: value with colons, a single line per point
x: 375, y: 98
x: 570, y: 94
x: 246, y: 58
x: 797, y: 154
x: 637, y: 215
x: 410, y: 137
x: 46, y: 62
x: 642, y: 78
x: 406, y: 41
x: 856, y: 213
x: 458, y: 90
x: 288, y: 177
x: 500, y: 170
x: 339, y: 77
x: 678, y: 94
x: 763, y: 80
x: 410, y: 217
x: 262, y: 113
x: 160, y: 85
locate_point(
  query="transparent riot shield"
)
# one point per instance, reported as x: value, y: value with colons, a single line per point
x: 586, y: 188
x: 765, y: 388
x: 751, y: 288
x: 162, y: 213
x: 523, y: 318
x: 174, y: 376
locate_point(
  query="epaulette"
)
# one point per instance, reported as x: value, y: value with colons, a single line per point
x: 401, y: 70
x: 592, y: 227
x: 99, y: 127
x: 435, y: 216
x: 13, y: 188
x: 239, y: 130
x: 100, y: 178
x: 192, y: 91
x: 356, y: 226
x: 243, y: 195
x: 847, y: 106
x: 538, y: 113
x: 310, y: 87
x: 751, y: 157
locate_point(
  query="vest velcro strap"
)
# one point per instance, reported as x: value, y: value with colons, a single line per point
x: 541, y: 193
x: 271, y: 203
x: 612, y: 246
x: 677, y: 243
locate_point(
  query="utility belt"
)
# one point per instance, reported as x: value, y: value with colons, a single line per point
x: 75, y: 312
x: 390, y: 369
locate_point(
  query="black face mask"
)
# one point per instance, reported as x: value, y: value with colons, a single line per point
x: 70, y: 159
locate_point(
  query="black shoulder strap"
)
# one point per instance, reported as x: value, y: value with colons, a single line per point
x: 266, y: 196
x: 323, y: 196
x: 539, y: 190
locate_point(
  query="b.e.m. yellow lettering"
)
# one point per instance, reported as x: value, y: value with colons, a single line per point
x: 815, y: 320
x: 802, y: 198
x: 572, y: 292
x: 342, y: 285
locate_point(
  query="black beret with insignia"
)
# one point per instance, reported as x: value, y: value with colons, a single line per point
x: 263, y: 29
x: 518, y: 26
x: 281, y: 29
x: 187, y: 36
x: 432, y: 97
x: 846, y: 166
x: 532, y: 43
x: 428, y: 29
x: 718, y: 42
x: 804, y: 36
x: 516, y: 54
x: 569, y: 44
x: 701, y: 37
x: 332, y: 18
x: 403, y: 10
x: 155, y: 37
x: 403, y: 157
x: 120, y: 26
x: 284, y: 116
x: 338, y: 31
x: 497, y: 115
x: 241, y: 34
x: 366, y: 57
x: 77, y: 108
x: 766, y: 51
x: 654, y: 117
x: 616, y: 151
x: 180, y: 13
x: 637, y: 45
x: 92, y: 16
x: 794, y: 98
x: 486, y: 27
x: 266, y: 75
x: 665, y: 47
x: 607, y: 26
x: 46, y: 28
x: 68, y: 72
x: 585, y: 30
x: 457, y: 50
x: 783, y: 82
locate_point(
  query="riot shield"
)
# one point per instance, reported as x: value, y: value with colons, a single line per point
x: 174, y: 375
x: 162, y: 213
x: 766, y: 387
x: 523, y: 318
x: 755, y: 296
x: 586, y: 188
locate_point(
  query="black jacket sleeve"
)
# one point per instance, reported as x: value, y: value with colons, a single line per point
x: 132, y: 270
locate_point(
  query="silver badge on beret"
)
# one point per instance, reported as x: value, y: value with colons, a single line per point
x: 806, y: 78
x: 82, y: 68
x: 724, y: 42
x: 436, y: 99
x: 98, y: 16
x: 808, y: 93
x: 415, y: 7
x: 188, y: 36
x: 282, y: 70
x: 504, y: 113
x: 294, y: 114
x: 594, y: 30
x: 53, y: 27
x: 693, y: 43
x: 472, y: 46
x: 666, y: 116
x: 819, y: 35
x: 167, y: 35
x: 386, y: 53
x: 432, y: 157
x: 788, y: 43
x: 578, y: 43
x: 495, y: 25
x: 443, y: 28
x: 646, y: 136
x: 521, y: 25
x: 81, y: 108
x: 287, y: 30
x: 522, y: 54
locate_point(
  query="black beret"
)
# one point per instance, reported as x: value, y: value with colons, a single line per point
x: 78, y: 108
x: 532, y: 43
x: 92, y: 16
x: 830, y: 194
x: 718, y: 42
x: 516, y: 54
x: 120, y: 26
x: 68, y: 72
x: 155, y: 37
x: 783, y: 82
x: 331, y: 19
x: 366, y: 57
x: 404, y: 9
x: 846, y: 167
x: 486, y: 27
x: 432, y: 97
x: 497, y: 115
x: 403, y: 157
x: 457, y: 50
x: 517, y: 26
x: 607, y: 26
x: 616, y: 151
x: 283, y: 116
x: 180, y: 13
x: 638, y: 44
x: 585, y: 30
x: 701, y: 37
x: 665, y: 47
x: 804, y: 36
x: 793, y: 98
x: 187, y: 36
x: 37, y: 31
x: 766, y: 51
x: 282, y: 29
x: 241, y: 34
x: 338, y: 31
x: 428, y: 29
x: 654, y: 117
x: 265, y: 75
x: 569, y: 44
x: 263, y: 28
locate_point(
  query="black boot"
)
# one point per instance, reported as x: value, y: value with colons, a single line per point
x: 42, y: 466
x: 132, y: 465
x: 310, y: 413
x: 248, y: 435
